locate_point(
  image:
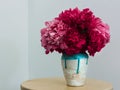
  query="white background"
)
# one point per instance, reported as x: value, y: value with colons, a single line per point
x: 20, y: 47
x: 13, y: 43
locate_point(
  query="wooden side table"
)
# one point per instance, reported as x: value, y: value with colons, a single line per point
x: 59, y: 84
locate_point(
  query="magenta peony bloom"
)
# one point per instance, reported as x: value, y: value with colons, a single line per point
x: 75, y: 31
x: 75, y: 42
x: 98, y: 36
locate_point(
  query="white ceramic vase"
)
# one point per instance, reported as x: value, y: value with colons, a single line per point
x: 75, y: 68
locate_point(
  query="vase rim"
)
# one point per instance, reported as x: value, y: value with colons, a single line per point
x: 74, y: 56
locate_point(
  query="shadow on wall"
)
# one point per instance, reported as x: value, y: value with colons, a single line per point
x: 9, y: 60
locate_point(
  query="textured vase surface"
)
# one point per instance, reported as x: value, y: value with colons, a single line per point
x: 75, y: 68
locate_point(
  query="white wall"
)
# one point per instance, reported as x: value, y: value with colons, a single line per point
x: 13, y: 43
x: 105, y: 65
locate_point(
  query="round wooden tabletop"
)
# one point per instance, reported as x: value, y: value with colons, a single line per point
x: 59, y: 84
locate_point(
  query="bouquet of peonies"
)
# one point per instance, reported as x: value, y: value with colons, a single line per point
x: 75, y: 31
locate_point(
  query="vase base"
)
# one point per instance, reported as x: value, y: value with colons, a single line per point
x: 75, y: 84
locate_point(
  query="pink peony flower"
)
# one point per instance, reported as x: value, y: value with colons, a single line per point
x: 75, y: 31
x: 52, y: 36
